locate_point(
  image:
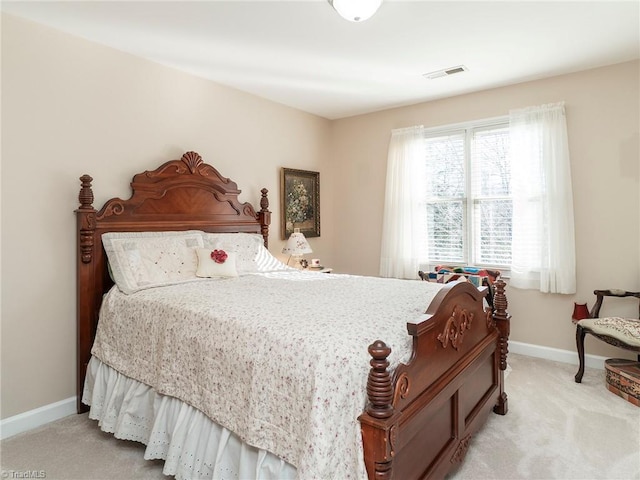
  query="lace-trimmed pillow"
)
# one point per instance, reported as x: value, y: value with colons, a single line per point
x: 140, y: 260
x: 265, y: 262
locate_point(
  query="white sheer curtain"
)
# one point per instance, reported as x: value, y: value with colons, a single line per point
x: 543, y: 246
x: 404, y: 244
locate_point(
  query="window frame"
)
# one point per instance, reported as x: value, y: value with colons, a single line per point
x: 469, y: 232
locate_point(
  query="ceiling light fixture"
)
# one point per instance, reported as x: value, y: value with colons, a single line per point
x: 356, y: 10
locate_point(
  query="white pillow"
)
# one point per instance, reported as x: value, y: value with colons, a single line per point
x: 208, y: 267
x: 140, y: 260
x: 265, y: 262
x: 245, y: 245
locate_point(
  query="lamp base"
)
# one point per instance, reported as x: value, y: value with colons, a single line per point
x: 298, y: 262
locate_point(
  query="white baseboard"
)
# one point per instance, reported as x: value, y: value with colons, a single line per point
x: 555, y: 354
x: 55, y: 411
x: 35, y: 418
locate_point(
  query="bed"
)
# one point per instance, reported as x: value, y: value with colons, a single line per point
x: 408, y: 377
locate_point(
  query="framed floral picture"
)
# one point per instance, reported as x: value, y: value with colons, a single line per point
x: 300, y: 190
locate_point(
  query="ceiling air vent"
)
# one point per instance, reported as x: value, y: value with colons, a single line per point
x: 446, y: 72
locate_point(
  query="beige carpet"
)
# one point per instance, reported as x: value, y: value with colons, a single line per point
x: 555, y: 429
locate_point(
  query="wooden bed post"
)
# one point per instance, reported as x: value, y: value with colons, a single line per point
x: 86, y: 218
x: 378, y: 428
x: 264, y: 216
x: 502, y: 319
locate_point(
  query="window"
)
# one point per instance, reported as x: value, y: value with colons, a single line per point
x: 494, y: 193
x: 468, y: 194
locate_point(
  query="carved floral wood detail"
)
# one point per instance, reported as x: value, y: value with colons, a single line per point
x: 457, y: 324
x: 114, y: 208
x: 190, y: 163
x: 403, y: 385
x: 192, y: 160
x: 86, y: 236
x: 461, y: 451
x: 491, y: 323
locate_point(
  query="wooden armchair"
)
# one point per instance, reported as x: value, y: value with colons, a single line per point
x: 617, y: 331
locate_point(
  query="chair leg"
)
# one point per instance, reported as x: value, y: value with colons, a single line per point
x: 580, y: 333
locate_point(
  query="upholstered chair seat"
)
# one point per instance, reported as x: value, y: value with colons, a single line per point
x: 624, y: 330
x: 618, y: 331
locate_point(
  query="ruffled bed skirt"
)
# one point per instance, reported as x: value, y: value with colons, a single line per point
x: 192, y: 446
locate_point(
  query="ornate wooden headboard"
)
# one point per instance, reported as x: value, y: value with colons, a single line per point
x: 185, y: 194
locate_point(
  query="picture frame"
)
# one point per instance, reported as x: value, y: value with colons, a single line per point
x: 300, y: 202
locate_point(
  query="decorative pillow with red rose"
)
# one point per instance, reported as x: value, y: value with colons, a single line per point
x: 213, y: 263
x: 251, y: 254
x: 245, y: 245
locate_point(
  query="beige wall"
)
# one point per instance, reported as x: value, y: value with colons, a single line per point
x: 71, y: 107
x: 603, y: 127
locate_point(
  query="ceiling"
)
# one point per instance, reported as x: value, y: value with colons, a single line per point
x: 302, y: 54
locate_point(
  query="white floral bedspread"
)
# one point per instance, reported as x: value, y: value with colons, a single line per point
x: 280, y: 359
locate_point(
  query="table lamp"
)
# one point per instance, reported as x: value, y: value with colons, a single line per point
x: 296, y: 247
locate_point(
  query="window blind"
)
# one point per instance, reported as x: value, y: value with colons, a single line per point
x: 468, y: 196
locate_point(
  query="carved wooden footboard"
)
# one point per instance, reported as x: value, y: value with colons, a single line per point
x: 419, y: 422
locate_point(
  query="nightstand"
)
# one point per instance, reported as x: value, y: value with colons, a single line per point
x: 320, y: 270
